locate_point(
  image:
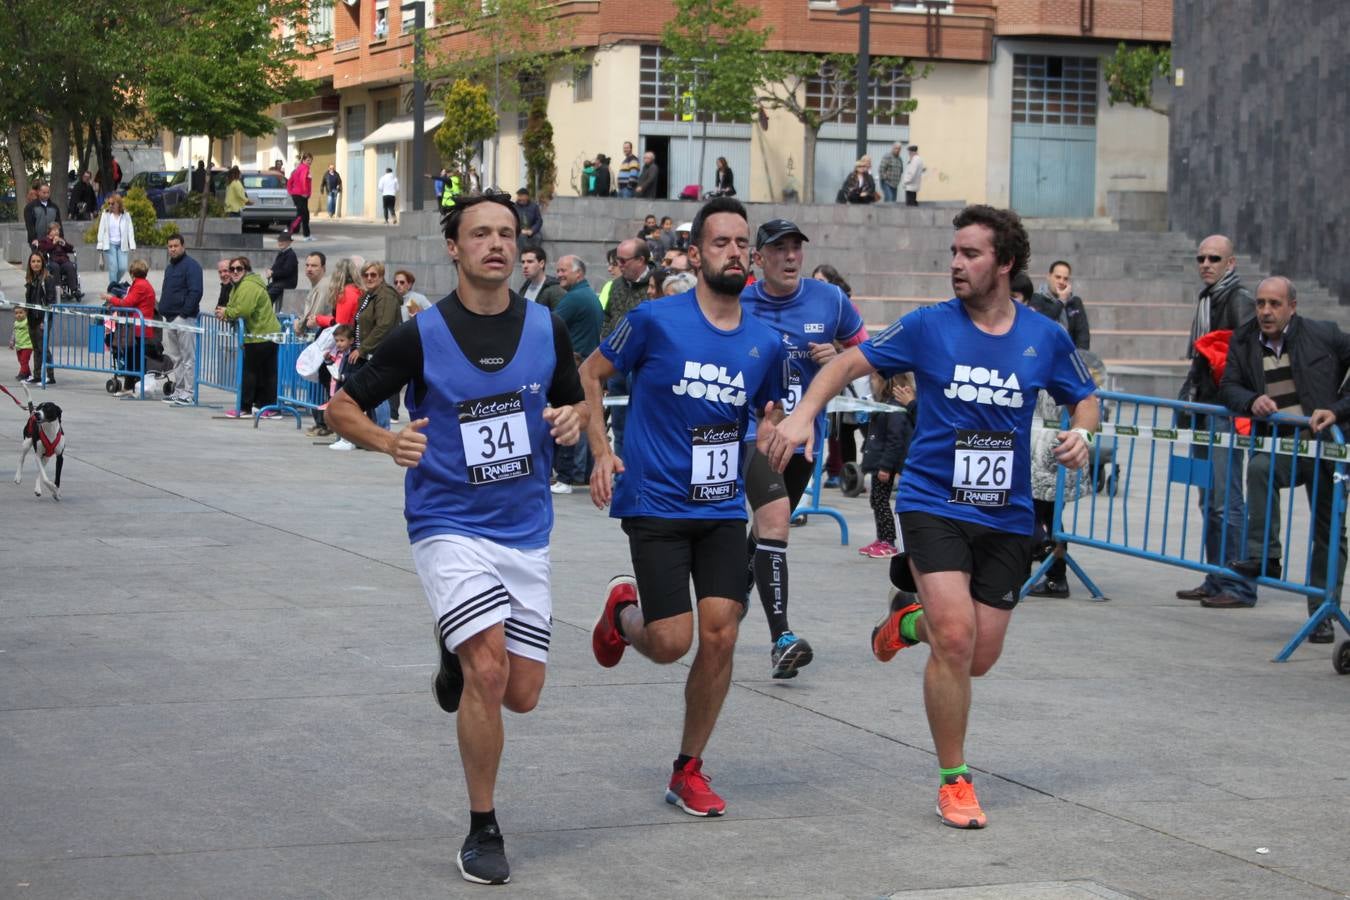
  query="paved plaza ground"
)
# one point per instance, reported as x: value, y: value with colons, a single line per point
x: 215, y: 661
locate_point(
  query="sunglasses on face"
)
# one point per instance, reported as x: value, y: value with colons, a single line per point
x: 236, y: 268
x: 370, y: 274
x: 1212, y: 257
x: 624, y: 260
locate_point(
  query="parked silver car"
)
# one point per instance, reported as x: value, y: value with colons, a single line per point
x: 271, y: 203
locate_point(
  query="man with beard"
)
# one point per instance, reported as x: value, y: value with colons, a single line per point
x: 965, y: 495
x: 700, y: 367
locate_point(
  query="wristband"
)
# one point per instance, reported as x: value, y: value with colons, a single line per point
x: 1084, y: 434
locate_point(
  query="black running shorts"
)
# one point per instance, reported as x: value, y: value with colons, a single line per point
x: 764, y: 485
x: 666, y: 552
x: 998, y: 562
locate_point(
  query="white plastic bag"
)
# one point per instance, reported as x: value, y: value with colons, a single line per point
x: 311, y: 358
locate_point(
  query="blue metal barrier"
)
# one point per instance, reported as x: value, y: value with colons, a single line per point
x: 1148, y: 515
x: 220, y: 355
x: 86, y: 338
x: 294, y: 392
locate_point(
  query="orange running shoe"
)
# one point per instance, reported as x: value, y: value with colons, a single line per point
x: 886, y: 637
x: 957, y: 805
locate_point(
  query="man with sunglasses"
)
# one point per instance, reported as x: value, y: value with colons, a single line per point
x: 1224, y: 304
x: 493, y: 385
x: 624, y: 293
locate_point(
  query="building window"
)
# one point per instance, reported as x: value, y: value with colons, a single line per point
x: 658, y: 93
x: 381, y: 19
x: 581, y: 82
x: 820, y: 98
x: 408, y: 20
x: 356, y: 124
x: 1054, y: 90
x: 531, y: 88
x: 320, y: 21
x: 385, y: 110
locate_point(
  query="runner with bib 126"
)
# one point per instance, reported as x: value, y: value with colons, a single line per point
x: 964, y: 498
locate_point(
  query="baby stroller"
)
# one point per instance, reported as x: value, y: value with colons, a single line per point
x: 119, y: 336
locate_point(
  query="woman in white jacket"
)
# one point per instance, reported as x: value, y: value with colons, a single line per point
x: 116, y: 237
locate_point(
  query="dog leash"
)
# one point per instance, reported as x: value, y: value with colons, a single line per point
x: 12, y: 397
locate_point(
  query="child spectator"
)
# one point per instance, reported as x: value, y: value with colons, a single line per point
x: 337, y: 363
x: 22, y: 345
x: 888, y: 435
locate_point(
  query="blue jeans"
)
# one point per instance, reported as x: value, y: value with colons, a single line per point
x: 887, y: 192
x: 332, y: 203
x: 1224, y: 546
x: 618, y: 415
x: 380, y: 415
x: 115, y: 261
x: 573, y: 464
x: 626, y: 192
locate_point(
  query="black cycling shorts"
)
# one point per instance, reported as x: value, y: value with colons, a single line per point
x: 998, y: 562
x: 764, y: 485
x: 666, y: 552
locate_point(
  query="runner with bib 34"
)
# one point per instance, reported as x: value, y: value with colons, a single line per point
x: 965, y: 496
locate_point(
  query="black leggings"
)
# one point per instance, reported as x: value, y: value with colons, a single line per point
x: 880, y: 498
x: 301, y: 214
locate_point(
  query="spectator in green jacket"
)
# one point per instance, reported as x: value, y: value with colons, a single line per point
x: 249, y: 302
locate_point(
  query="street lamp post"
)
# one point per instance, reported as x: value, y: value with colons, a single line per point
x: 864, y: 71
x: 419, y: 150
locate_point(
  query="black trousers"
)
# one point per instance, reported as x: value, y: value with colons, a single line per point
x: 301, y: 214
x: 389, y: 208
x: 911, y: 198
x: 260, y: 376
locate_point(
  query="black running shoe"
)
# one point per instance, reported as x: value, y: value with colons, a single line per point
x: 448, y: 684
x: 482, y: 859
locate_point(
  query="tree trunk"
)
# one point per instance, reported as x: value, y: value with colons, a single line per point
x: 105, y: 153
x: 60, y: 160
x: 17, y: 164
x: 81, y: 139
x: 206, y: 194
x: 809, y: 164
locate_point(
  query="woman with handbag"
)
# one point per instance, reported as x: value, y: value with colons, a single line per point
x: 860, y: 186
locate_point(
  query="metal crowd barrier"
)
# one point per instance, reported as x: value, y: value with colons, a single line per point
x: 220, y: 355
x: 294, y: 392
x: 1145, y: 508
x: 86, y: 338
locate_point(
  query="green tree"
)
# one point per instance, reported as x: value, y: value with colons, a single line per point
x: 786, y: 76
x: 469, y: 120
x: 541, y: 168
x: 220, y: 74
x: 715, y: 61
x: 1131, y: 73
x: 511, y: 43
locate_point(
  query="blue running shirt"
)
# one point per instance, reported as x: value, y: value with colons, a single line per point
x: 970, y: 458
x: 694, y: 388
x: 816, y: 313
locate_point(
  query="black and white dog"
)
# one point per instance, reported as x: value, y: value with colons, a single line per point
x: 45, y: 438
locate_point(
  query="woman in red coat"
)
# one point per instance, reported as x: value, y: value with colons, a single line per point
x: 129, y: 339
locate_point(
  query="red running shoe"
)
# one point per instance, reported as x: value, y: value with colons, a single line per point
x: 957, y: 805
x: 689, y: 790
x: 606, y: 641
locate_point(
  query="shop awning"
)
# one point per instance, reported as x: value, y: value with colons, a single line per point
x: 311, y: 131
x: 401, y: 129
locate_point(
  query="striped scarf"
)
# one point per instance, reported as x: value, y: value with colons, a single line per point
x: 1200, y: 324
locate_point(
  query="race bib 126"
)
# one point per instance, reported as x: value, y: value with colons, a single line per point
x: 982, y: 468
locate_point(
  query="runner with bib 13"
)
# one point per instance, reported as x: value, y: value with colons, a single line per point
x: 965, y: 496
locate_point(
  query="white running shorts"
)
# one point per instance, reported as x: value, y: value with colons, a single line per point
x: 473, y: 583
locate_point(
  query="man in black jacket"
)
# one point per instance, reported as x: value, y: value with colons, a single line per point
x: 285, y: 271
x: 1283, y: 363
x: 1224, y: 304
x: 1057, y: 300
